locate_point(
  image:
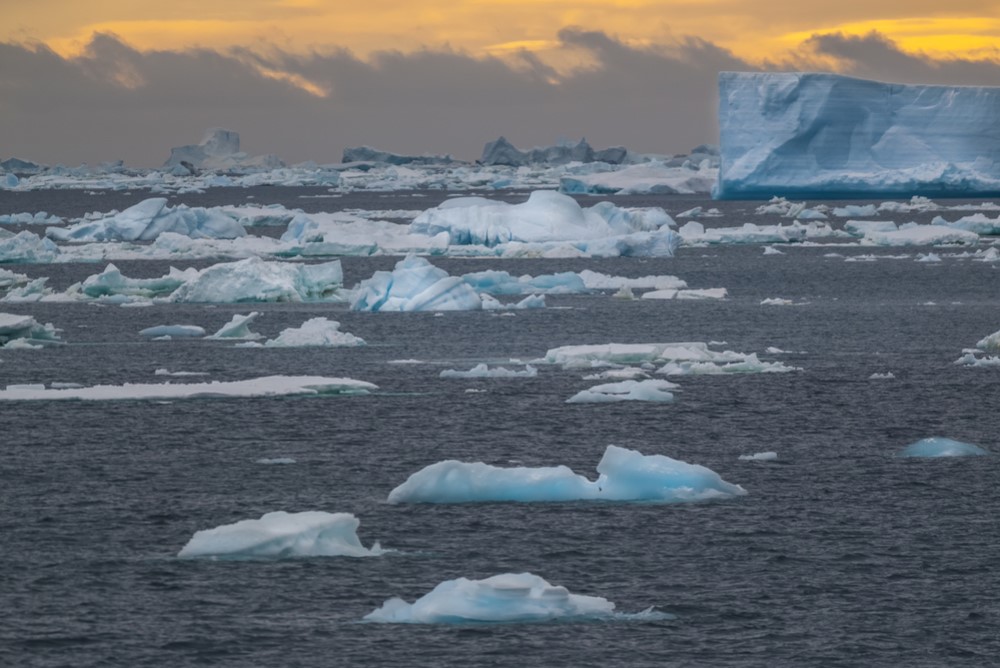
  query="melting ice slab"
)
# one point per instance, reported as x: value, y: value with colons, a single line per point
x: 509, y: 597
x: 814, y: 134
x: 936, y: 446
x: 280, y: 534
x: 625, y: 475
x: 267, y: 386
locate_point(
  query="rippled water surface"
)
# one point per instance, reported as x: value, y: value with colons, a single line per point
x: 840, y: 555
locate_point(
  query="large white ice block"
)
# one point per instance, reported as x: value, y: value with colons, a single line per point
x: 625, y: 475
x: 280, y: 534
x: 816, y: 134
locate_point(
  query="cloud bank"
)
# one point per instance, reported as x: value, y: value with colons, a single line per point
x: 116, y: 102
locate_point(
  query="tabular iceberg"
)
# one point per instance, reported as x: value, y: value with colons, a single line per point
x: 816, y: 134
x: 280, y: 534
x: 625, y: 475
x: 509, y: 597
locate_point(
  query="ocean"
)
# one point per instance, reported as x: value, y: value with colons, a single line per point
x: 841, y: 554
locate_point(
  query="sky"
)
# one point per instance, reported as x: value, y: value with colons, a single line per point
x: 128, y: 79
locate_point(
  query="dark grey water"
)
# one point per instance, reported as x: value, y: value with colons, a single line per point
x: 841, y: 554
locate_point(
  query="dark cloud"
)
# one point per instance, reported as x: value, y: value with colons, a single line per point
x: 116, y: 102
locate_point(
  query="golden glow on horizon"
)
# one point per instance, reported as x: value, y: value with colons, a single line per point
x: 754, y: 30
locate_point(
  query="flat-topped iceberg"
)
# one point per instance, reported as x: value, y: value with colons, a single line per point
x: 173, y: 331
x: 279, y: 534
x: 818, y: 134
x: 549, y: 218
x: 627, y: 390
x: 485, y: 371
x: 265, y: 386
x: 681, y: 358
x: 505, y: 598
x: 937, y: 446
x: 643, y: 179
x: 23, y: 331
x: 625, y: 475
x: 149, y: 219
x: 256, y: 280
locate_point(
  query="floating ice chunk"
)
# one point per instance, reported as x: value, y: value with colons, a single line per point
x: 990, y: 343
x: 549, y: 217
x: 594, y: 280
x: 970, y: 359
x: 415, y: 285
x: 928, y: 257
x: 502, y: 283
x: 810, y: 133
x: 314, y: 332
x: 484, y: 371
x: 149, y: 219
x: 978, y: 223
x: 693, y: 233
x: 853, y: 210
x: 776, y: 301
x: 22, y: 331
x: 937, y: 446
x: 266, y: 386
x: 882, y: 376
x: 276, y: 461
x: 505, y: 598
x: 920, y: 235
x: 238, y: 328
x: 760, y: 457
x: 280, y: 534
x: 771, y: 250
x: 27, y: 248
x: 529, y: 302
x: 625, y: 475
x: 9, y: 279
x: 625, y: 373
x: 680, y: 358
x: 643, y: 179
x: 988, y: 255
x: 173, y: 331
x: 255, y: 280
x: 168, y: 372
x: 112, y: 282
x: 860, y: 228
x: 626, y: 390
x: 702, y: 293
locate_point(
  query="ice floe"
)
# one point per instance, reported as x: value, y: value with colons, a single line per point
x: 23, y: 331
x: 625, y: 475
x: 314, y: 332
x: 149, y: 219
x: 485, y: 371
x: 414, y: 285
x: 760, y: 457
x: 279, y: 535
x: 657, y: 391
x: 677, y: 358
x: 505, y: 598
x: 238, y: 329
x: 265, y: 386
x: 173, y: 331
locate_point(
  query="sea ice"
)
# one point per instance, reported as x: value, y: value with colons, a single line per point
x: 626, y: 390
x: 484, y: 371
x: 279, y: 534
x: 990, y: 343
x: 814, y: 134
x: 414, y: 285
x: 505, y: 598
x: 314, y: 332
x: 550, y: 217
x: 677, y: 358
x: 760, y: 457
x: 219, y: 149
x: 173, y: 331
x: 22, y: 331
x: 937, y: 446
x: 255, y: 280
x: 644, y: 179
x: 238, y: 329
x: 26, y: 248
x: 625, y: 475
x: 149, y: 219
x: 266, y: 386
x: 920, y: 235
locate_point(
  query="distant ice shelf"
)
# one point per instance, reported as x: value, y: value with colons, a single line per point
x: 826, y: 135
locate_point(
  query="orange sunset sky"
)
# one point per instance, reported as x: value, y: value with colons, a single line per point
x: 332, y: 62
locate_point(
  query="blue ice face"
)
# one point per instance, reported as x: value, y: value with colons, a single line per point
x: 815, y: 134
